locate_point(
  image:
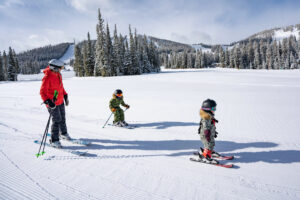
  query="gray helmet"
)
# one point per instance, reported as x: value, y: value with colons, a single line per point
x: 54, y: 64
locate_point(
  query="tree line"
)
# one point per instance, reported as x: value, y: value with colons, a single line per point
x: 32, y: 61
x: 115, y: 55
x: 9, y: 66
x: 259, y: 53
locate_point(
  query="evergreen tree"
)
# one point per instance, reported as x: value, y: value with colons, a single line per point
x: 78, y: 63
x: 89, y: 62
x: 16, y: 62
x: 190, y: 60
x: 203, y: 60
x: 269, y: 57
x: 257, y: 56
x: 250, y: 52
x: 232, y: 63
x: 227, y: 58
x: 5, y: 65
x: 134, y: 68
x: 127, y: 60
x: 116, y: 56
x: 99, y: 55
x: 122, y: 53
x: 222, y: 58
x: 244, y: 58
x: 109, y: 68
x: 237, y: 58
x: 279, y: 57
x: 198, y: 59
x: 85, y: 58
x: 11, y: 70
x: 2, y: 76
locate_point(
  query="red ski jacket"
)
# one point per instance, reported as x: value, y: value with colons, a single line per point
x: 52, y: 81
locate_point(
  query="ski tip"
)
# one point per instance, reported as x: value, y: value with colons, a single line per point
x: 226, y: 166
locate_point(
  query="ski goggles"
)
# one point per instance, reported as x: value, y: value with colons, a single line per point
x: 213, y: 109
x: 119, y: 95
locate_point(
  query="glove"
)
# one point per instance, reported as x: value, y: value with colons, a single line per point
x: 113, y: 110
x: 127, y: 106
x: 216, y: 134
x: 50, y: 103
x: 66, y: 100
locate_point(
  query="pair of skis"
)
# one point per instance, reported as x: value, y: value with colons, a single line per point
x: 74, y: 141
x: 126, y: 127
x: 215, y: 160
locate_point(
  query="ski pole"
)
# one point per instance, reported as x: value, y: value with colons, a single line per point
x: 45, y: 133
x: 46, y: 129
x: 51, y: 111
x: 110, y: 117
x: 107, y: 120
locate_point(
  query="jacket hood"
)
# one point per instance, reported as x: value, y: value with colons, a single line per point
x: 205, y: 115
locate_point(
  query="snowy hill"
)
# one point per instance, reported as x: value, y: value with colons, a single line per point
x: 277, y: 34
x: 258, y: 113
x: 66, y: 58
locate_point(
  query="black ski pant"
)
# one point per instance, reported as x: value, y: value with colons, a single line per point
x: 58, y: 122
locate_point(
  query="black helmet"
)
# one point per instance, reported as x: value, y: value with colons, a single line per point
x: 118, y: 93
x: 209, y: 106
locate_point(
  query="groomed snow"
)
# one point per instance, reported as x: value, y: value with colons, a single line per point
x: 258, y: 113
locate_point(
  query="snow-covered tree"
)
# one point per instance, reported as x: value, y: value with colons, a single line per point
x: 78, y: 62
x: 11, y: 70
x: 2, y: 75
x: 99, y: 53
x: 89, y: 60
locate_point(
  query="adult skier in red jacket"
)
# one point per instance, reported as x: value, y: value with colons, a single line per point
x: 52, y: 81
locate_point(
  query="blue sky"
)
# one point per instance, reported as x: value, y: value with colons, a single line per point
x: 26, y: 24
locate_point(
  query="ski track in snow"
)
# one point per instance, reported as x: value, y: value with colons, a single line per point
x: 152, y: 161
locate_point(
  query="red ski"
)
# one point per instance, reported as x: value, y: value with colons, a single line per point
x: 223, y: 157
x: 216, y: 164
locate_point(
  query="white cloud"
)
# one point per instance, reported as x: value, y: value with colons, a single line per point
x: 43, y: 38
x: 88, y: 5
x: 7, y: 3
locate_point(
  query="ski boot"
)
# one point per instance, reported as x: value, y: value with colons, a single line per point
x: 124, y: 123
x: 214, y: 154
x: 55, y: 144
x: 65, y: 136
x: 118, y: 124
x: 206, y: 157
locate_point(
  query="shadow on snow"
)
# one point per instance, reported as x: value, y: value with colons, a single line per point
x: 163, y: 125
x: 187, y: 147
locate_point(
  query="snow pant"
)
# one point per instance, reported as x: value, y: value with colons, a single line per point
x: 208, y: 143
x: 58, y: 122
x: 118, y: 115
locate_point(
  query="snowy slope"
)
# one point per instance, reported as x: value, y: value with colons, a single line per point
x: 281, y: 34
x: 68, y: 56
x: 258, y: 113
x: 200, y: 47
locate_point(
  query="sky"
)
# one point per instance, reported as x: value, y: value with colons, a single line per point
x: 27, y: 24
